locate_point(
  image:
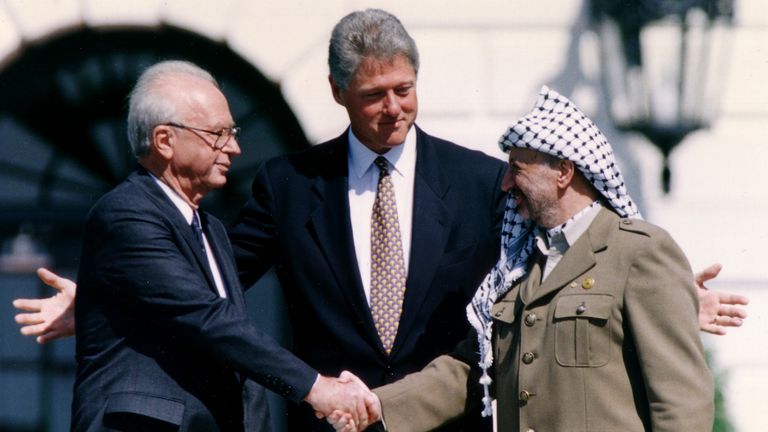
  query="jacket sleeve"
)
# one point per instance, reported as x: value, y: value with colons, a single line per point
x: 135, y: 259
x: 444, y: 390
x: 662, y: 310
x: 253, y: 234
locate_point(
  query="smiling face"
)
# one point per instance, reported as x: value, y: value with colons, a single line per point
x: 381, y: 101
x: 534, y: 183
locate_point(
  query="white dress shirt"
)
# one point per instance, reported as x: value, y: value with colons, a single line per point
x: 363, y: 179
x: 187, y: 211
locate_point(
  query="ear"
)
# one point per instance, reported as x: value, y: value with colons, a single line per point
x: 163, y: 140
x: 566, y: 171
x: 336, y: 90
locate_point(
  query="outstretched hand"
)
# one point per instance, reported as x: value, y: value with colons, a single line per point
x: 347, y: 398
x: 717, y: 310
x: 49, y: 318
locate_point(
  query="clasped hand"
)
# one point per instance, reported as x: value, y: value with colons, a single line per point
x: 346, y: 402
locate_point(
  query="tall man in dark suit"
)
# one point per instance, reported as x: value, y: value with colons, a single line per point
x: 163, y: 340
x: 313, y: 216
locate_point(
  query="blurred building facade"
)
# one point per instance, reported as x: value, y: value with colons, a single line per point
x: 66, y: 67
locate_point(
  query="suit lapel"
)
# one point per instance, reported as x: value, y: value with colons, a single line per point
x: 145, y: 181
x: 331, y: 228
x: 217, y: 238
x: 580, y: 257
x: 429, y: 231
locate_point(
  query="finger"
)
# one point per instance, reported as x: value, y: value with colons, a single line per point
x: 47, y: 337
x: 362, y: 412
x: 28, y: 318
x: 332, y: 418
x: 350, y: 377
x: 363, y: 424
x: 374, y: 408
x: 345, y: 423
x: 51, y: 279
x: 28, y: 305
x: 713, y: 329
x: 731, y: 311
x: 708, y: 273
x: 725, y: 321
x: 733, y: 299
x: 344, y: 379
x: 347, y: 376
x: 34, y: 330
x: 336, y: 419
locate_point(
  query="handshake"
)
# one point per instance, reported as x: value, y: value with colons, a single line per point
x: 345, y: 402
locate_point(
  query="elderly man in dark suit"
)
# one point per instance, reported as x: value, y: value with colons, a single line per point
x: 589, y: 321
x: 163, y: 340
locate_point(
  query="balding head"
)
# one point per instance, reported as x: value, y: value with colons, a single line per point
x: 150, y: 104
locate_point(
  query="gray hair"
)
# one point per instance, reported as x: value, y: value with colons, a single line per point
x: 148, y: 107
x: 369, y: 33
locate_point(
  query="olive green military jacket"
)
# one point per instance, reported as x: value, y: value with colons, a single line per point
x: 608, y: 342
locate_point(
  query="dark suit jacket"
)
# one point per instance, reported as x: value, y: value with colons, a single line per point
x: 298, y: 220
x: 608, y: 342
x: 157, y: 348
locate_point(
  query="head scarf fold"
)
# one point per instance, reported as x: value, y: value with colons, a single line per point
x: 558, y: 128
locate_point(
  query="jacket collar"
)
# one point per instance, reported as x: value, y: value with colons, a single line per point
x: 580, y: 257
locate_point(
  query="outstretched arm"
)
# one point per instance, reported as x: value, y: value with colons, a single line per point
x: 49, y: 318
x: 718, y: 310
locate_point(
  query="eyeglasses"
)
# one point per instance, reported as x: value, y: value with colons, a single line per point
x: 223, y: 135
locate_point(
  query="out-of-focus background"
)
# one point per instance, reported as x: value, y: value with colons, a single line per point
x: 66, y: 67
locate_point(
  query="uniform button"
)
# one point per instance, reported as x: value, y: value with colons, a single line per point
x: 528, y: 357
x: 627, y: 221
x: 530, y: 319
x: 525, y: 395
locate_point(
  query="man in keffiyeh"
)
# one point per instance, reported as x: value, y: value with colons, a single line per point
x: 588, y: 322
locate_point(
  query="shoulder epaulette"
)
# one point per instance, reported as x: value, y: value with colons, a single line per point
x: 635, y: 226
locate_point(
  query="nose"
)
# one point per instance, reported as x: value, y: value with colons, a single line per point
x: 508, y: 182
x: 391, y: 104
x: 232, y: 147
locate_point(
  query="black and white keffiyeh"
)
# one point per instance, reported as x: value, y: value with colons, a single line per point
x: 556, y: 127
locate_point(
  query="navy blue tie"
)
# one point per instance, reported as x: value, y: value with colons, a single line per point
x: 198, y: 231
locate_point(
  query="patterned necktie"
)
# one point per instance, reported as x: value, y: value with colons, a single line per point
x: 387, y: 264
x: 198, y: 231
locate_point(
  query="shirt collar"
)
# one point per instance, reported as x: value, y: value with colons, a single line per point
x: 400, y: 157
x: 570, y: 230
x: 186, y: 210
